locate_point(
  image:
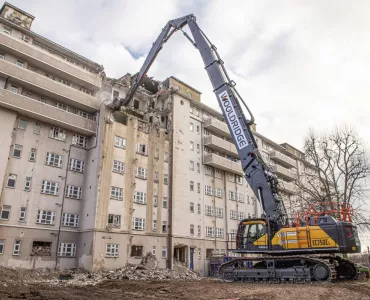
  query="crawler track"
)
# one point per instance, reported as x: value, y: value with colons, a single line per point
x: 295, y: 268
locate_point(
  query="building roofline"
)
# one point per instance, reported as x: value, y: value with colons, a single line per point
x: 16, y: 8
x: 189, y: 86
x: 291, y: 147
x: 54, y: 45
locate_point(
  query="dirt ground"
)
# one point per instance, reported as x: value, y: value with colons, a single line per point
x: 187, y: 289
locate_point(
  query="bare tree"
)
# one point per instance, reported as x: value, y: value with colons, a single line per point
x: 338, y: 170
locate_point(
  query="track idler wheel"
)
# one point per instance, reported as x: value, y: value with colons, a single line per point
x: 321, y: 272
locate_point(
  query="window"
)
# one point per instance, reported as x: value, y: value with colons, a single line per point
x: 164, y: 202
x: 207, y: 150
x: 37, y: 128
x: 218, y: 174
x: 141, y: 173
x: 192, y: 207
x: 140, y: 197
x: 114, y: 220
x: 32, y: 154
x: 198, y: 148
x: 138, y: 223
x: 199, y: 252
x: 70, y: 220
x: 208, y: 190
x: 142, y: 149
x: 218, y: 192
x: 156, y: 176
x: 191, y: 229
x: 57, y: 133
x: 137, y: 251
x: 2, y: 245
x: 12, y: 179
x: 25, y: 38
x: 232, y: 195
x: 2, y: 56
x: 209, y: 171
x: 120, y: 142
x: 73, y: 192
x: 208, y: 210
x: 199, y: 208
x: 206, y: 132
x: 20, y: 63
x: 166, y: 157
x: 198, y: 167
x: 17, y: 150
x: 165, y: 179
x: 116, y: 193
x: 164, y: 226
x: 17, y: 247
x: 76, y: 165
x: 191, y: 126
x: 54, y: 160
x: 233, y: 214
x: 199, y: 230
x: 14, y: 89
x: 112, y: 250
x: 155, y: 200
x: 136, y: 104
x: 79, y: 140
x: 7, y: 30
x: 50, y: 188
x: 233, y: 233
x: 198, y: 129
x: 239, y: 179
x: 191, y: 165
x: 240, y: 215
x: 115, y: 94
x: 67, y: 249
x: 154, y: 250
x: 219, y: 212
x: 240, y: 197
x: 22, y: 124
x: 45, y: 217
x: 27, y: 185
x: 191, y: 185
x: 192, y: 146
x: 198, y: 187
x: 219, y: 232
x: 164, y: 252
x: 210, y: 231
x: 5, y: 212
x: 62, y: 106
x: 231, y: 177
x: 118, y: 167
x: 22, y: 214
x: 154, y: 225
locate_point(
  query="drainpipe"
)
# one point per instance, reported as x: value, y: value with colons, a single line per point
x: 226, y: 215
x: 171, y: 171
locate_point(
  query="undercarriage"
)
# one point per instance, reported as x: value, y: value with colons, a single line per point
x: 294, y: 268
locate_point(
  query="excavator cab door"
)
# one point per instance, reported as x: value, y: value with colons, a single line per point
x: 254, y: 236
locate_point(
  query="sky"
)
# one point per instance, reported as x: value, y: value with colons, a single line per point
x: 297, y: 64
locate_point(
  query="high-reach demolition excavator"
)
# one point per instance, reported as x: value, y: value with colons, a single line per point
x: 301, y: 251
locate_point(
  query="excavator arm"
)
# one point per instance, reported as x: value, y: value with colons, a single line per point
x: 262, y: 181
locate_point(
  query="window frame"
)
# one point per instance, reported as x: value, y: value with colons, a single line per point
x: 5, y: 208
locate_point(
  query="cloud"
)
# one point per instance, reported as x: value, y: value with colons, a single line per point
x: 297, y: 64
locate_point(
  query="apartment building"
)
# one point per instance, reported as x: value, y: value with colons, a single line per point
x: 49, y: 104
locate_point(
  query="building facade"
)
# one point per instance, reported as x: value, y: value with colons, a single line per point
x: 84, y: 185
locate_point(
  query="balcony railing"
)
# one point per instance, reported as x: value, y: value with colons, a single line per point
x: 217, y: 126
x: 46, y: 113
x: 219, y: 144
x: 222, y: 163
x: 283, y: 159
x: 46, y: 60
x: 51, y: 88
x: 284, y: 172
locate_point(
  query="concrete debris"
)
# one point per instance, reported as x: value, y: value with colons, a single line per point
x: 150, y: 261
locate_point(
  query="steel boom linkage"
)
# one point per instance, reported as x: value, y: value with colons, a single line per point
x: 259, y: 177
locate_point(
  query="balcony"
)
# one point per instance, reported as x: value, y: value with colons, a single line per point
x: 287, y: 187
x: 221, y: 163
x: 50, y: 88
x: 283, y: 159
x: 49, y: 62
x: 220, y: 145
x: 46, y: 113
x: 217, y: 126
x: 284, y: 173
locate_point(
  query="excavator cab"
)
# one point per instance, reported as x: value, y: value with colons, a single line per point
x: 252, y: 235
